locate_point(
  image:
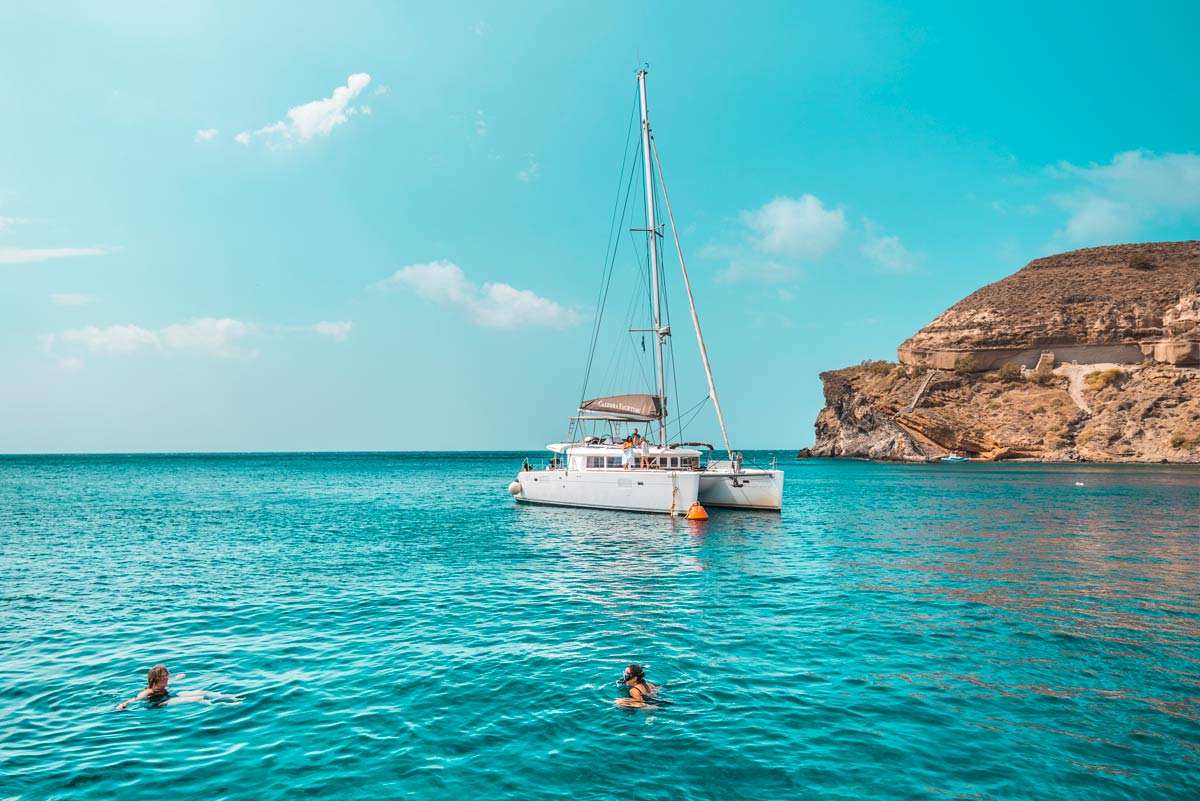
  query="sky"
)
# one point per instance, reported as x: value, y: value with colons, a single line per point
x: 383, y: 226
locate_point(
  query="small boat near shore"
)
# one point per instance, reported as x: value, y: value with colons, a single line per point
x: 592, y: 466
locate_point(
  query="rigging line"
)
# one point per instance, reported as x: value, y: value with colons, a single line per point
x: 627, y: 318
x: 617, y: 356
x: 610, y: 257
x: 612, y: 269
x: 712, y: 387
x: 699, y: 407
x: 692, y: 410
x: 675, y: 383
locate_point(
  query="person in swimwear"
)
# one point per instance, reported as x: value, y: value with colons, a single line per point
x: 641, y: 692
x: 156, y: 686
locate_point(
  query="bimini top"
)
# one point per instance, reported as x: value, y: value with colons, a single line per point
x: 625, y: 407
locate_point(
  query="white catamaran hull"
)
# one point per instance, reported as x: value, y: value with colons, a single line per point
x: 746, y: 489
x: 662, y: 491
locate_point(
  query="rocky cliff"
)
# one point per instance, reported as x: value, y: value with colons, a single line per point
x: 1087, y: 355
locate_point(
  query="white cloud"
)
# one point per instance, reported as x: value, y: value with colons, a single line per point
x: 206, y: 335
x: 71, y: 299
x: 381, y: 90
x: 1115, y: 201
x: 490, y: 305
x: 798, y: 228
x: 243, y: 138
x: 211, y: 336
x: 481, y: 126
x: 529, y: 173
x: 887, y: 252
x: 6, y: 222
x: 1096, y: 220
x: 113, y: 339
x: 26, y: 255
x: 481, y: 28
x: 318, y: 117
x: 69, y: 363
x: 364, y: 110
x: 768, y: 271
x: 777, y: 237
x: 339, y: 331
x: 206, y: 134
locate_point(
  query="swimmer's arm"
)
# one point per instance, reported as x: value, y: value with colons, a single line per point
x: 137, y: 697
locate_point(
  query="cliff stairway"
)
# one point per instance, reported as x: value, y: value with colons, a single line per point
x: 919, y: 393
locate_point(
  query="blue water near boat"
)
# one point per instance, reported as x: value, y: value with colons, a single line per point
x: 396, y: 627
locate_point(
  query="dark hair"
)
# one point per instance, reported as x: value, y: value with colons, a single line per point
x: 636, y: 672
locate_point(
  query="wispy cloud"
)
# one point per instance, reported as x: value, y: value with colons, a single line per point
x: 887, y: 252
x: 481, y: 28
x: 1115, y: 202
x: 798, y: 228
x: 530, y: 172
x: 206, y: 134
x: 216, y: 337
x: 481, y: 125
x: 316, y: 118
x: 71, y: 299
x: 222, y: 337
x: 338, y: 331
x: 113, y: 339
x: 778, y: 236
x: 491, y: 305
x: 243, y: 138
x: 8, y: 222
x: 27, y: 255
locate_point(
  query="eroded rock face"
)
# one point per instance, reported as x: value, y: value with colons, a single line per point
x: 1119, y: 303
x: 1133, y: 414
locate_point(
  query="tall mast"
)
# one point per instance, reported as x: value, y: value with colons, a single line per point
x: 652, y: 233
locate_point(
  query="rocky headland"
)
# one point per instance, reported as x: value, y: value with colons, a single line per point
x: 1092, y: 355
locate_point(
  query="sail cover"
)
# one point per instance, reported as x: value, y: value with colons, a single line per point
x: 634, y: 407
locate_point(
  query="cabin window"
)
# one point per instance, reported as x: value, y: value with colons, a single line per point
x: 594, y: 462
x: 614, y: 461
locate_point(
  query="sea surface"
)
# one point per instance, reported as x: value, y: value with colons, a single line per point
x: 376, y: 626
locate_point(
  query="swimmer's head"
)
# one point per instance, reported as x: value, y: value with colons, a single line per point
x: 157, y: 677
x: 634, y: 673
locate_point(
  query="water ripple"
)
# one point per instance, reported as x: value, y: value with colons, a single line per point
x: 378, y: 626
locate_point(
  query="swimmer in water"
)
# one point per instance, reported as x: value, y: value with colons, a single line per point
x: 156, y: 687
x: 641, y: 692
x: 156, y: 692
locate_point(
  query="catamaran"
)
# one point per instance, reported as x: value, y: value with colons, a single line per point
x: 593, y: 467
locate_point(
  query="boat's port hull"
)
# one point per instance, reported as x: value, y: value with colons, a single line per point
x: 745, y: 489
x: 661, y: 491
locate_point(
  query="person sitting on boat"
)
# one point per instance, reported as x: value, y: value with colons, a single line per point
x: 627, y: 453
x: 641, y: 692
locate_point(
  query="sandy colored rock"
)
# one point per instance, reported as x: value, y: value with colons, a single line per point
x: 1123, y: 303
x: 1088, y: 355
x: 1146, y: 414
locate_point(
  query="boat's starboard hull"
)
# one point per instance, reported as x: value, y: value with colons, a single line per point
x: 745, y: 489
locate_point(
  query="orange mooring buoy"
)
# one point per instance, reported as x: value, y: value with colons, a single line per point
x: 696, y: 512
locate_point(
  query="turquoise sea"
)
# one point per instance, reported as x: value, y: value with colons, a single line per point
x: 393, y: 626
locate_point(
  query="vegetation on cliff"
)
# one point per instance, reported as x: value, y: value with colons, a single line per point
x: 1089, y: 355
x: 1139, y: 413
